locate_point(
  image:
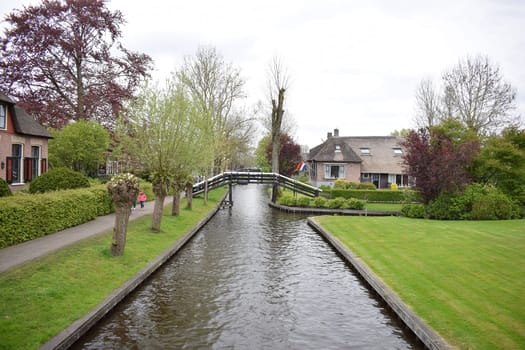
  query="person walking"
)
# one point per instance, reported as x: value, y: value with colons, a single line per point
x: 142, y: 199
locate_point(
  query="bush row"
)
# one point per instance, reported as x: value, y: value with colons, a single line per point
x: 477, y: 202
x: 26, y: 217
x: 373, y: 195
x: 320, y: 202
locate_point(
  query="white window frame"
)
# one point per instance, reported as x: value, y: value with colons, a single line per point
x: 3, y: 115
x: 328, y: 171
x: 38, y: 161
x: 365, y: 151
x: 20, y: 162
x: 392, y: 178
x: 398, y: 152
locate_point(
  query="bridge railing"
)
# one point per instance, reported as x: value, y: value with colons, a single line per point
x: 237, y: 177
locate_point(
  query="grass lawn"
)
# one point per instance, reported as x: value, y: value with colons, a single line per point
x: 466, y: 279
x: 41, y: 298
x: 383, y: 206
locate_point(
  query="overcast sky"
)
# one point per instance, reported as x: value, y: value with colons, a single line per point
x: 354, y: 65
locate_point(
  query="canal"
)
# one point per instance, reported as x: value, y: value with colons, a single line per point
x: 252, y: 278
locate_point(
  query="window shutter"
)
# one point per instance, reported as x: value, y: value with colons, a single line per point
x: 43, y: 166
x: 9, y: 170
x: 28, y: 169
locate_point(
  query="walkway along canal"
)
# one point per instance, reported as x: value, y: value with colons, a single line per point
x: 252, y: 278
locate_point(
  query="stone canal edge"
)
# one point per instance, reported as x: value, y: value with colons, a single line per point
x: 431, y: 339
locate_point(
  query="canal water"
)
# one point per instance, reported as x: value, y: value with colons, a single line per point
x: 252, y: 278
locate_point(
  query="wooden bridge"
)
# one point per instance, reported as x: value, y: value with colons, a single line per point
x: 243, y: 178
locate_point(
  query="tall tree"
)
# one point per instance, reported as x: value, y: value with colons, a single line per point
x: 277, y: 84
x: 80, y: 146
x: 62, y: 60
x: 217, y: 87
x: 438, y: 164
x: 474, y: 92
x: 290, y: 155
x: 158, y: 133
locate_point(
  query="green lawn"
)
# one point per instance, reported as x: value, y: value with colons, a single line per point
x: 41, y: 298
x: 383, y: 206
x: 466, y: 279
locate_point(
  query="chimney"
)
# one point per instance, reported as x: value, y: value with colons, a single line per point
x: 336, y: 132
x: 329, y: 135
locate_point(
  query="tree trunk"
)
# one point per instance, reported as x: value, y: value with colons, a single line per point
x: 160, y: 195
x: 175, y: 208
x: 276, y: 145
x: 189, y: 196
x: 122, y: 212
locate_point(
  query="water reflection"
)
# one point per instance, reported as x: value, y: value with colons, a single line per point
x: 253, y: 278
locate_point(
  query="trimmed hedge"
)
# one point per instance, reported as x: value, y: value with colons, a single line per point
x: 58, y: 179
x: 372, y: 195
x: 31, y: 216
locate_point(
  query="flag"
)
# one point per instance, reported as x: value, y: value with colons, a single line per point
x: 300, y: 167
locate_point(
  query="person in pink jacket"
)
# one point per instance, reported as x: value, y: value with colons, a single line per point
x: 142, y: 199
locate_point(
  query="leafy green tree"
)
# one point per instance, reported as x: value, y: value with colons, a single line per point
x: 80, y: 146
x: 261, y: 158
x: 502, y: 163
x: 161, y: 133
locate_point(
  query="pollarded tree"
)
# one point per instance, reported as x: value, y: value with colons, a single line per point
x: 79, y: 146
x: 62, y: 60
x: 159, y: 134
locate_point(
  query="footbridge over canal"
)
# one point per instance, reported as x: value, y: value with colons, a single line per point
x: 243, y: 178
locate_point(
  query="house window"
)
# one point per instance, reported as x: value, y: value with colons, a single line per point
x: 3, y: 117
x: 332, y: 171
x: 365, y: 151
x: 14, y: 171
x: 398, y: 151
x: 391, y: 178
x: 35, y: 160
x: 338, y: 148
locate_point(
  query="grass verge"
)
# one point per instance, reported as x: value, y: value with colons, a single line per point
x: 464, y: 278
x: 41, y: 298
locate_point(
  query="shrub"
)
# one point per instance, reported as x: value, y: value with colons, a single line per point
x: 417, y: 211
x: 493, y: 205
x: 287, y: 199
x: 352, y: 185
x: 353, y: 203
x: 340, y: 184
x: 366, y: 186
x: 5, y: 191
x: 303, y: 202
x: 304, y: 179
x: 325, y: 188
x: 58, y: 179
x: 444, y: 207
x: 319, y: 202
x: 335, y: 203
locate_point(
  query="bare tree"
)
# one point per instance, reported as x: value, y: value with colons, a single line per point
x: 217, y: 87
x: 278, y: 84
x: 427, y: 105
x: 476, y: 94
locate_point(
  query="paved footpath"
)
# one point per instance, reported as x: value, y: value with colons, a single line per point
x: 27, y: 251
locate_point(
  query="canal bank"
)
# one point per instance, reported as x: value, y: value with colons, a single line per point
x: 253, y: 278
x: 72, y: 333
x: 66, y: 338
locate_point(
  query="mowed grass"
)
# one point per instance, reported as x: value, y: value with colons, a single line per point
x: 41, y: 298
x: 383, y: 206
x: 466, y: 279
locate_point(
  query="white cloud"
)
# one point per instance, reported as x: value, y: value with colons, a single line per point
x: 354, y: 65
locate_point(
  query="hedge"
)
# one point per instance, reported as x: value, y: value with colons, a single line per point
x: 372, y: 195
x: 26, y: 217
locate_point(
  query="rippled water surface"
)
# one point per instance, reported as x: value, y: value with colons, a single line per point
x: 253, y: 278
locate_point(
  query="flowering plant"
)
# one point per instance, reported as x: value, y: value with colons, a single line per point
x: 123, y: 187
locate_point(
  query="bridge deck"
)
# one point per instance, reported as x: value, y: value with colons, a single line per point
x: 236, y: 177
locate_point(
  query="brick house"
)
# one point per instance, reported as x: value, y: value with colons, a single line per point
x: 23, y: 145
x: 375, y: 159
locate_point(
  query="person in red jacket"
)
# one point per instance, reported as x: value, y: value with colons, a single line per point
x: 142, y: 199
